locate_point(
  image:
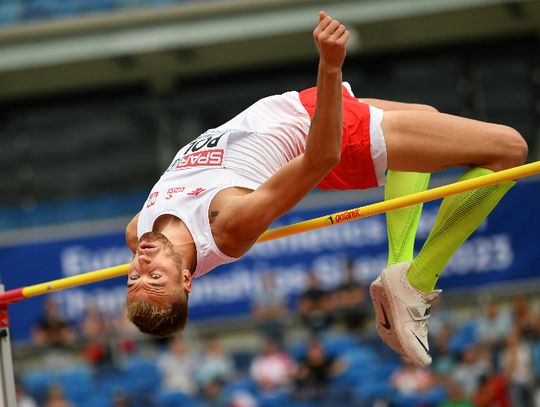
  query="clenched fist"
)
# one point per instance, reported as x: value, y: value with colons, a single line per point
x: 331, y: 38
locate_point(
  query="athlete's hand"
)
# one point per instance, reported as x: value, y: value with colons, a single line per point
x: 331, y: 38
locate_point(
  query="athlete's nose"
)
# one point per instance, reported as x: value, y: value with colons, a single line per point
x: 144, y: 259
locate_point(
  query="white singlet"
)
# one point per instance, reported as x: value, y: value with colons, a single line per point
x: 244, y: 152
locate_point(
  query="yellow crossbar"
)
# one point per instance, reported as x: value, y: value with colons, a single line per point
x: 323, y: 221
x: 74, y: 281
x: 396, y: 203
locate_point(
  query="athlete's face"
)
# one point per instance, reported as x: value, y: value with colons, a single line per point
x: 156, y: 270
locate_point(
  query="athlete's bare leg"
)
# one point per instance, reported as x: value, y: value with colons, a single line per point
x: 388, y: 105
x: 429, y: 141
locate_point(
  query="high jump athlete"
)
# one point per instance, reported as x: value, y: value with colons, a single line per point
x: 225, y: 188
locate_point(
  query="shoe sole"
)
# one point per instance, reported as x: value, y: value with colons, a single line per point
x: 388, y: 335
x: 391, y: 310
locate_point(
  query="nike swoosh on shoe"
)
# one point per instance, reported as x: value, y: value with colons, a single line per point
x: 386, y: 322
x: 421, y: 343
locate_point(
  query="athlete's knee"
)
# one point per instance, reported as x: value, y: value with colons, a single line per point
x: 513, y: 149
x: 520, y: 149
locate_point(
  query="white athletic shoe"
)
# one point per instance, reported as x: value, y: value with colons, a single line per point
x: 380, y: 304
x: 401, y: 313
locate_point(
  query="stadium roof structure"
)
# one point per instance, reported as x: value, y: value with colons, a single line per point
x: 205, y: 37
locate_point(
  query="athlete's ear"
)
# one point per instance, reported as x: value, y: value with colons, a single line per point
x: 186, y: 280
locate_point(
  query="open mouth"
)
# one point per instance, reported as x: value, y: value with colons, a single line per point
x: 145, y: 246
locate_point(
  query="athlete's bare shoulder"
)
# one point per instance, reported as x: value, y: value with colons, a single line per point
x: 131, y: 233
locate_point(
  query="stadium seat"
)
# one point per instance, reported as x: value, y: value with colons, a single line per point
x: 11, y: 12
x: 432, y: 397
x: 141, y: 376
x: 96, y: 400
x: 37, y: 383
x: 40, y: 9
x: 359, y: 356
x: 129, y: 3
x: 242, y: 360
x: 169, y: 398
x: 112, y: 384
x: 274, y: 400
x: 372, y: 389
x: 77, y: 384
x: 335, y: 344
x: 301, y: 404
x: 338, y: 344
x: 96, y: 6
x: 536, y: 358
x: 463, y: 337
x: 241, y: 385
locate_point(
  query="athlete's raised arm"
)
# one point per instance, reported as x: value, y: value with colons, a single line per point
x: 291, y: 183
x: 323, y: 146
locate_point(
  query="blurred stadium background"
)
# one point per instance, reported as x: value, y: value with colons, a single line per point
x: 95, y: 98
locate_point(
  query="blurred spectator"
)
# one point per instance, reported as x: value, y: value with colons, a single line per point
x: 242, y: 399
x: 443, y: 360
x: 455, y: 397
x: 269, y: 307
x: 441, y: 318
x: 125, y: 333
x: 273, y: 369
x: 22, y: 398
x: 470, y: 369
x: 215, y: 364
x: 492, y: 392
x: 56, y: 398
x: 535, y: 350
x: 314, y: 306
x: 120, y: 400
x: 493, y: 325
x: 492, y: 328
x: 53, y: 331
x: 411, y: 380
x: 93, y: 323
x: 54, y: 336
x: 517, y: 365
x: 212, y: 395
x: 178, y: 366
x: 349, y: 300
x: 316, y: 370
x: 523, y: 318
x: 96, y: 339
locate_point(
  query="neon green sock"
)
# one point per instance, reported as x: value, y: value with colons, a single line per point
x: 402, y: 223
x: 458, y: 217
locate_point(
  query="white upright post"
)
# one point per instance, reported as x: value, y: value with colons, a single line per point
x: 7, y: 377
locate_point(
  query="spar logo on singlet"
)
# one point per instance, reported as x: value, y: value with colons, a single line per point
x: 207, y: 150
